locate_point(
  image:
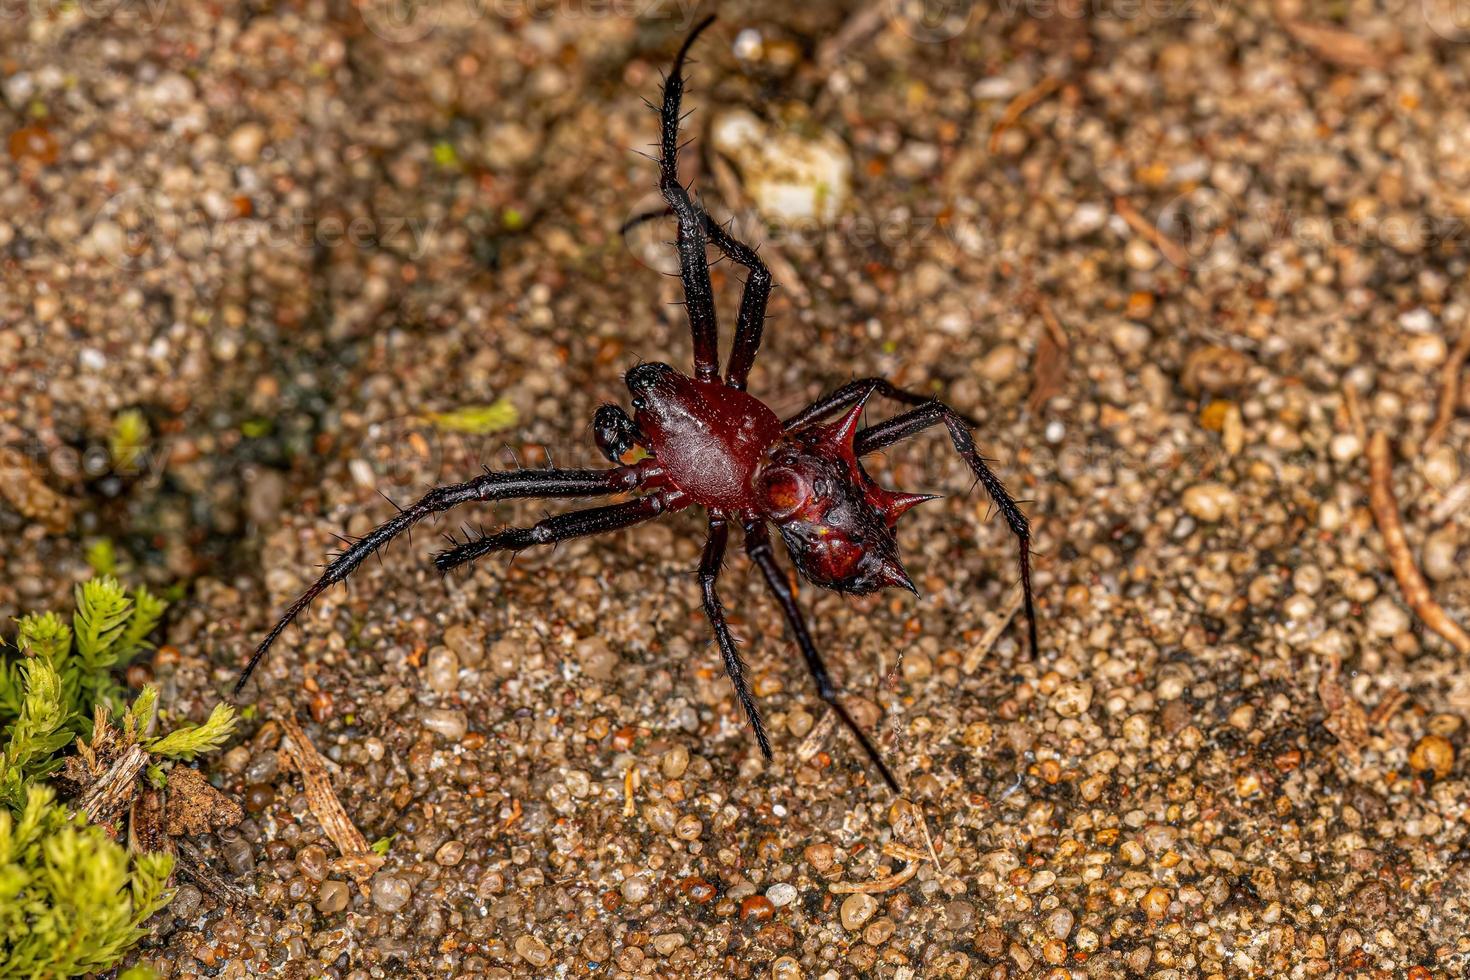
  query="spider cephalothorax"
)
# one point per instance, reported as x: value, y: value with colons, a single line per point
x: 707, y: 443
x: 836, y: 522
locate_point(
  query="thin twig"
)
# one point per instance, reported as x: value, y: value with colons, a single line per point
x: 859, y: 27
x: 195, y: 865
x: 1449, y: 389
x: 357, y: 859
x: 1175, y: 253
x: 1050, y: 367
x: 1390, y: 524
x: 817, y: 737
x: 979, y: 651
x: 1018, y: 108
x: 888, y: 884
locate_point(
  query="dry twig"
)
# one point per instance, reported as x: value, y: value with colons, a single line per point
x: 979, y: 651
x: 817, y: 737
x: 862, y: 25
x: 1018, y: 108
x: 1390, y: 524
x: 1335, y: 45
x: 1449, y: 389
x: 357, y: 859
x: 888, y: 884
x: 1175, y: 253
x: 1049, y: 373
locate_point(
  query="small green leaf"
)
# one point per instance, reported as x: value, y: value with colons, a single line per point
x: 477, y: 419
x: 445, y: 155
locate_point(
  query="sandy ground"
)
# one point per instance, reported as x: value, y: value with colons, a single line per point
x: 1182, y: 260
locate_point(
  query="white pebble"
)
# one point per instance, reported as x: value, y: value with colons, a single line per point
x: 1417, y: 320
x: 1210, y: 501
x: 782, y: 893
x: 1385, y: 618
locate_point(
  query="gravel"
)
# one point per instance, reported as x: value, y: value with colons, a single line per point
x: 289, y: 235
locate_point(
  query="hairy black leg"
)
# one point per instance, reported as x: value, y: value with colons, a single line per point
x: 856, y: 391
x: 699, y: 300
x: 758, y: 547
x: 899, y: 427
x: 562, y: 527
x: 752, y: 317
x: 614, y: 432
x: 709, y: 573
x: 490, y: 486
x: 751, y: 321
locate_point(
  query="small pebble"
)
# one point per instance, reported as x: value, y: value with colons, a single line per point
x: 186, y: 901
x: 246, y: 141
x: 635, y: 890
x: 533, y: 950
x: 786, y: 968
x: 1435, y: 754
x: 238, y: 853
x: 390, y: 893
x: 447, y: 722
x: 756, y: 908
x: 857, y: 909
x: 781, y: 894
x: 442, y: 671
x: 1210, y: 502
x: 1155, y: 903
x: 1072, y: 699
x: 332, y: 896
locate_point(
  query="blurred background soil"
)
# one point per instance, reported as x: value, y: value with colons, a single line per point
x: 1183, y: 259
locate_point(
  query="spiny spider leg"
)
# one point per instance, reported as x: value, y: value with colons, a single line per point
x: 885, y: 434
x: 561, y: 527
x: 709, y: 572
x: 489, y: 486
x: 856, y: 391
x: 751, y: 320
x: 758, y: 547
x: 699, y: 300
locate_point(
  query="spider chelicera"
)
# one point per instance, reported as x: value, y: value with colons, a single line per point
x: 710, y: 444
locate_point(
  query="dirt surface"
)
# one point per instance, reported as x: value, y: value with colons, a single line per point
x: 1183, y: 261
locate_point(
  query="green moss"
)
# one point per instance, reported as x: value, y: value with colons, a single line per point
x: 107, y: 630
x: 72, y: 900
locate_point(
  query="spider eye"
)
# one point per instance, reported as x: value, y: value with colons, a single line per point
x: 639, y: 404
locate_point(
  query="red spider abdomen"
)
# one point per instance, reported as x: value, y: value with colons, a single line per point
x: 707, y: 438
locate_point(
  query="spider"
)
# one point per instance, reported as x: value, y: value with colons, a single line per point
x: 710, y: 444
